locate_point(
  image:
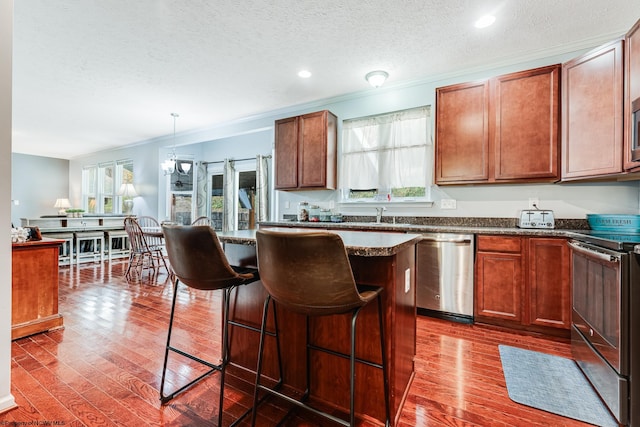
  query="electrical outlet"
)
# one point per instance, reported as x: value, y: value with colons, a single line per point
x: 286, y: 205
x: 534, y: 203
x: 447, y: 204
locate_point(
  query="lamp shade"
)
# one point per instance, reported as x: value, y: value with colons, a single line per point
x: 62, y: 204
x: 127, y: 190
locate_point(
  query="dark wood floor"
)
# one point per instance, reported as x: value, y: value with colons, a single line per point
x: 104, y: 367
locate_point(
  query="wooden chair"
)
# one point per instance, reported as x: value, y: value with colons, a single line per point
x: 152, y: 229
x: 310, y: 273
x: 202, y: 220
x: 198, y: 261
x: 145, y: 252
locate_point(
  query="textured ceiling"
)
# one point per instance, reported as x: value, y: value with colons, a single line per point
x: 91, y: 75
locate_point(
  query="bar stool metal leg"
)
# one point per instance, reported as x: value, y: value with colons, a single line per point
x: 352, y: 365
x: 213, y: 367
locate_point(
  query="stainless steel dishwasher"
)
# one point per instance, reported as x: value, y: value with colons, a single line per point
x: 444, y: 266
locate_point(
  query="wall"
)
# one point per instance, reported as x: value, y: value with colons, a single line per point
x: 6, y: 39
x: 52, y: 177
x: 254, y: 135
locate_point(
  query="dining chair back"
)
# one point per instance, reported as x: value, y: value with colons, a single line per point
x: 202, y: 220
x: 149, y: 224
x: 143, y: 254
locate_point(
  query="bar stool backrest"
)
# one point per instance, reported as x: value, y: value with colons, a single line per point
x: 197, y: 258
x: 308, y: 272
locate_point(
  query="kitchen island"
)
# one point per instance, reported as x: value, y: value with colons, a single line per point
x: 380, y: 259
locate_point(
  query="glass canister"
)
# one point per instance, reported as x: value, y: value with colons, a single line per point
x: 314, y: 213
x: 303, y: 211
x: 325, y: 215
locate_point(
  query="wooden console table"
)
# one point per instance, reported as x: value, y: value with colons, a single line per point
x: 34, y: 305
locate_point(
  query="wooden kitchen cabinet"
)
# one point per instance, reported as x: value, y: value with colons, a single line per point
x: 499, y: 279
x: 632, y: 93
x: 462, y: 133
x: 305, y: 152
x: 592, y: 113
x: 549, y: 283
x: 523, y: 283
x: 505, y: 129
x: 526, y: 108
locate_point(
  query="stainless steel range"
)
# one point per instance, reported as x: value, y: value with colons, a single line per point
x: 605, y: 333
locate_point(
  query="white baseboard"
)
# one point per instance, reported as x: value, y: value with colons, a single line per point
x: 7, y: 402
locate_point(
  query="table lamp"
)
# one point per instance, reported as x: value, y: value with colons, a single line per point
x: 128, y: 192
x: 62, y: 205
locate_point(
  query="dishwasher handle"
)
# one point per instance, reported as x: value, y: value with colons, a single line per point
x: 448, y: 238
x: 600, y: 254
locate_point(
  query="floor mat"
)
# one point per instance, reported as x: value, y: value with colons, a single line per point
x: 552, y: 383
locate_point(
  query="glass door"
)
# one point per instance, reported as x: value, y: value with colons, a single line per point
x: 181, y: 197
x: 241, y: 195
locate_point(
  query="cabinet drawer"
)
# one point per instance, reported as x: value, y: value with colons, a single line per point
x: 500, y: 244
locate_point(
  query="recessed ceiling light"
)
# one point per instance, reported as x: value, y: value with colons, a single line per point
x: 305, y: 74
x: 485, y: 21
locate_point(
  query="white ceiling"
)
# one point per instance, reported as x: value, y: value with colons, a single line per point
x: 91, y: 75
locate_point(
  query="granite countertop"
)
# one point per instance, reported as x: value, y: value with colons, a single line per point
x: 359, y: 243
x: 485, y: 227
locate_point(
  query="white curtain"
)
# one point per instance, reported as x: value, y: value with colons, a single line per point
x: 202, y: 200
x: 262, y: 188
x: 387, y: 151
x: 229, y: 196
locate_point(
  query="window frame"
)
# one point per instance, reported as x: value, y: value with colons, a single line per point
x: 384, y: 195
x: 99, y: 193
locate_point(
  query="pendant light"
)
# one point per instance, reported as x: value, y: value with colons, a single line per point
x: 169, y: 165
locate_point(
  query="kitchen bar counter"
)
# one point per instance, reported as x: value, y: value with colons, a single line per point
x: 356, y: 242
x: 379, y: 259
x: 419, y: 228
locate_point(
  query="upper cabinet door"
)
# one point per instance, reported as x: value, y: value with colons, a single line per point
x: 462, y: 133
x: 286, y: 153
x: 317, y: 150
x: 501, y: 130
x: 592, y: 120
x: 305, y: 152
x: 632, y: 85
x: 526, y: 132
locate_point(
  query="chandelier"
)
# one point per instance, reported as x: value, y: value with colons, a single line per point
x: 171, y: 163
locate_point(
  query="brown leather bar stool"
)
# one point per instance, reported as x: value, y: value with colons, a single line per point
x: 198, y: 261
x: 310, y: 273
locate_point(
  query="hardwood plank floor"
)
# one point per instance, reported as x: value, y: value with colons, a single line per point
x: 104, y: 367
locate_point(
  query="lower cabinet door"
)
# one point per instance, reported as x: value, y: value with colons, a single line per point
x: 549, y: 288
x: 499, y: 282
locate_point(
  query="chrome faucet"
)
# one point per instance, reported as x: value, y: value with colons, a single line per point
x: 379, y: 213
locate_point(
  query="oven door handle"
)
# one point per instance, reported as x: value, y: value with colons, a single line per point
x: 594, y: 254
